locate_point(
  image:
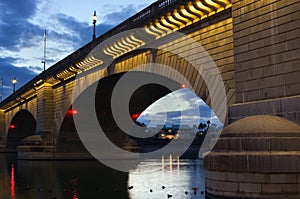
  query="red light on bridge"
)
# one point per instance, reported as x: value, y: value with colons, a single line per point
x: 72, y: 112
x: 135, y: 116
x: 183, y: 86
x: 12, y: 126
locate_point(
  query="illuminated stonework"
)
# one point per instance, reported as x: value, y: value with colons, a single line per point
x: 123, y: 46
x: 184, y: 16
x: 88, y: 63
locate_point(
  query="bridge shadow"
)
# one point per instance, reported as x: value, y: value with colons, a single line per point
x: 22, y: 125
x: 68, y: 140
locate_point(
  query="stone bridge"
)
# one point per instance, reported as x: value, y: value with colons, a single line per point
x: 252, y: 46
x: 241, y: 57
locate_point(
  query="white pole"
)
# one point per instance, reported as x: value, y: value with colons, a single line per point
x: 44, y: 61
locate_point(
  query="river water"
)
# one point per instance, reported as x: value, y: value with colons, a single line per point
x: 160, y: 178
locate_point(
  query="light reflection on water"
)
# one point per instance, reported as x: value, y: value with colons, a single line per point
x: 168, y: 176
x: 90, y: 179
x: 12, y: 182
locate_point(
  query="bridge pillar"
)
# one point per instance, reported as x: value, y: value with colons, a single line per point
x: 2, y: 128
x: 45, y: 107
x: 255, y: 157
x: 111, y: 69
x: 266, y: 55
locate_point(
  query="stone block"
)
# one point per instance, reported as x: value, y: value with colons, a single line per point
x: 289, y: 188
x: 260, y: 163
x: 221, y: 145
x: 278, y: 178
x: 234, y: 144
x: 292, y: 144
x: 256, y: 144
x: 292, y: 178
x: 290, y: 104
x: 250, y: 187
x: 219, y: 176
x: 298, y: 177
x: 277, y: 144
x: 232, y: 177
x: 225, y: 186
x: 234, y: 162
x: 284, y: 163
x: 256, y: 178
x: 272, y: 188
x: 225, y: 162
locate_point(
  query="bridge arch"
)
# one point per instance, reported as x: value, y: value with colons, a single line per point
x: 22, y: 125
x: 178, y: 58
x: 68, y: 139
x: 201, y: 75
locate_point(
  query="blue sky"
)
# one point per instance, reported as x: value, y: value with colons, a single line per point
x: 179, y: 107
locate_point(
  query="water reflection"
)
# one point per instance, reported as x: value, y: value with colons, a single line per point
x: 59, y: 180
x: 12, y: 182
x: 157, y: 179
x: 90, y: 179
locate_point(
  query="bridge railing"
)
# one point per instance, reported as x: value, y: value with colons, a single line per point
x: 138, y: 20
x: 144, y: 16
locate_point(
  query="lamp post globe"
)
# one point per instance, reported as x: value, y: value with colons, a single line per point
x: 14, y: 81
x: 94, y: 23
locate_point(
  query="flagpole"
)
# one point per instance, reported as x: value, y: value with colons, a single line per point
x: 44, y: 61
x: 1, y: 89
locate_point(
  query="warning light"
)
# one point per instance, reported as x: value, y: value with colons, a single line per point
x: 135, y: 116
x: 72, y: 112
x: 12, y: 126
x: 183, y: 86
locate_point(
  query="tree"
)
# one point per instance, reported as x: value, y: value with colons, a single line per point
x: 208, y: 123
x: 202, y: 127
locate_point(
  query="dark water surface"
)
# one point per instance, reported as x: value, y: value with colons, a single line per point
x: 90, y: 179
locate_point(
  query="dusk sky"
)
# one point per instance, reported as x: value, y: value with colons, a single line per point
x: 179, y: 107
x: 69, y: 27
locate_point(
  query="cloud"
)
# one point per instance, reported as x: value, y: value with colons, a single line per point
x: 192, y: 110
x: 21, y: 9
x: 121, y: 15
x: 8, y: 72
x: 35, y: 68
x: 14, y: 26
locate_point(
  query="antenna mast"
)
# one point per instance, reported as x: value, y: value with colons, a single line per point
x: 44, y: 61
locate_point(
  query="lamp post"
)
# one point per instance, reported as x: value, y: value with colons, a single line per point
x: 94, y: 23
x: 14, y: 81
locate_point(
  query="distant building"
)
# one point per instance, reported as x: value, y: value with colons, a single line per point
x: 172, y: 132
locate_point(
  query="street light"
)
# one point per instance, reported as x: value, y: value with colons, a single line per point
x: 14, y: 81
x: 94, y: 23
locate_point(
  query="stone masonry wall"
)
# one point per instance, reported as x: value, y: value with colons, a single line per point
x: 216, y: 37
x: 267, y: 58
x: 266, y: 49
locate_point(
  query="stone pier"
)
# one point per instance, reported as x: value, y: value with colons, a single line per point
x: 255, y: 157
x: 2, y: 131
